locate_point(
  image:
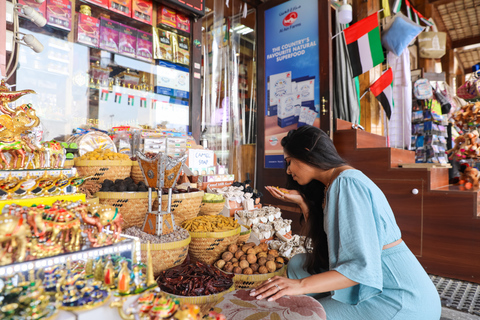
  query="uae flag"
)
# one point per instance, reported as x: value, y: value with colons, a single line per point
x: 364, y: 46
x: 382, y: 89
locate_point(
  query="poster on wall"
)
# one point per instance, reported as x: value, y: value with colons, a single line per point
x: 292, y: 88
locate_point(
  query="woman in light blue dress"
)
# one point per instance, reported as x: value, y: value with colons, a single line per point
x: 359, y: 267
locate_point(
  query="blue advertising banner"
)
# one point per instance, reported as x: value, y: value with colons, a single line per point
x: 291, y: 73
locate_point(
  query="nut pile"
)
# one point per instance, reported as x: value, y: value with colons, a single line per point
x: 178, y: 235
x: 104, y: 154
x: 250, y: 259
x: 210, y: 224
x: 121, y: 185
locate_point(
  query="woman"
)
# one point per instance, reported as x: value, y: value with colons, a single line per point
x: 358, y: 255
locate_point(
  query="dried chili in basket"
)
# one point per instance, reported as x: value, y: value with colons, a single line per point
x: 194, y: 279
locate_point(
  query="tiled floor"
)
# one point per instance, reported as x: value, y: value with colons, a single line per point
x: 451, y: 314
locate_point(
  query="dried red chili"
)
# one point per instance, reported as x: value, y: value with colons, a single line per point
x: 194, y: 279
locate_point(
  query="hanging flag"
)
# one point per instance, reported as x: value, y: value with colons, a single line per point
x: 131, y: 100
x: 397, y: 6
x: 118, y: 97
x: 382, y: 89
x: 104, y: 96
x: 409, y: 9
x: 154, y: 103
x: 143, y: 102
x: 364, y: 46
x: 386, y: 8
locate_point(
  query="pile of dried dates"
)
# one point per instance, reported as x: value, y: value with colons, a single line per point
x: 194, y: 279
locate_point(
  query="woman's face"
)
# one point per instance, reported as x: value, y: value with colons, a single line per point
x: 300, y: 171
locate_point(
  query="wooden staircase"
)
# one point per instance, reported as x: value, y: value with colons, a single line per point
x: 440, y: 222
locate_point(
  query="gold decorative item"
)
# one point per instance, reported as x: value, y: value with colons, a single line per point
x: 13, y: 234
x: 150, y: 279
x: 102, y: 216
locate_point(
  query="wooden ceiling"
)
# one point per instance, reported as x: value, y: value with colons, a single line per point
x: 461, y: 20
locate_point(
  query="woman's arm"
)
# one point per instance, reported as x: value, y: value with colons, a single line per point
x: 292, y: 196
x: 277, y: 287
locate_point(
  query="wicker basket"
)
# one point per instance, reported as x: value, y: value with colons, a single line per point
x: 104, y: 169
x: 208, y: 247
x: 204, y: 302
x: 136, y: 173
x: 244, y: 235
x: 166, y: 255
x: 211, y: 208
x: 247, y: 281
x: 68, y: 164
x: 184, y: 205
x: 132, y: 205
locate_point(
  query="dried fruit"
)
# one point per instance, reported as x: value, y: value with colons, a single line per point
x: 228, y: 268
x: 251, y: 251
x: 271, y: 266
x: 220, y: 264
x: 262, y: 261
x: 235, y: 264
x: 273, y: 252
x: 270, y: 257
x: 245, y: 248
x: 244, y: 264
x: 247, y: 271
x: 263, y: 246
x: 244, y: 257
x: 279, y: 265
x: 279, y: 260
x: 237, y: 270
x: 239, y: 253
x: 251, y: 258
x: 232, y: 248
x: 263, y: 270
x: 234, y: 260
x: 254, y: 266
x: 227, y: 256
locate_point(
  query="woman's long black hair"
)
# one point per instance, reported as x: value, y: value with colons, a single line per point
x: 314, y: 147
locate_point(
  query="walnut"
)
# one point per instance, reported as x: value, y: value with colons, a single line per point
x: 254, y: 266
x: 273, y: 252
x: 245, y: 248
x: 228, y: 267
x: 270, y: 257
x: 279, y: 260
x: 279, y: 265
x: 233, y: 248
x: 262, y: 254
x: 251, y: 251
x: 237, y: 270
x: 235, y: 264
x: 256, y: 272
x: 244, y: 257
x: 251, y: 258
x: 234, y: 260
x: 263, y: 270
x: 271, y: 266
x: 227, y: 256
x: 240, y: 243
x: 220, y: 263
x: 263, y: 246
x: 239, y: 253
x: 262, y: 261
x: 247, y: 271
x: 244, y: 264
x: 250, y: 244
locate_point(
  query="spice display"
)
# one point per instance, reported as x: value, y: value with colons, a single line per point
x: 196, y: 279
x: 104, y: 154
x: 211, y: 197
x: 89, y: 188
x: 178, y: 235
x: 210, y: 224
x: 250, y: 259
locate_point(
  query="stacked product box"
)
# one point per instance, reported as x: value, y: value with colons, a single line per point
x: 100, y: 3
x: 142, y: 10
x: 305, y: 86
x: 166, y: 16
x: 307, y: 116
x: 182, y: 22
x: 155, y: 145
x: 87, y: 30
x: 279, y: 85
x: 127, y: 41
x: 109, y: 35
x: 176, y: 146
x: 123, y: 7
x: 144, y: 46
x: 172, y: 80
x: 164, y: 48
x: 59, y: 14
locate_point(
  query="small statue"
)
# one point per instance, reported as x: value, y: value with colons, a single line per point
x: 109, y: 274
x: 98, y: 274
x: 123, y: 285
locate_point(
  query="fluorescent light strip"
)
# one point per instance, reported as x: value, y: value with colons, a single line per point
x: 238, y: 27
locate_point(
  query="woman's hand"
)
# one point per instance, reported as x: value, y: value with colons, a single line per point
x: 277, y: 287
x: 287, y: 195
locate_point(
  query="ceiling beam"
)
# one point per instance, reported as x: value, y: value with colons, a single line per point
x: 465, y: 42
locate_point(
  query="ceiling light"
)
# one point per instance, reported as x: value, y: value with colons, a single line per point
x: 345, y: 13
x: 238, y: 27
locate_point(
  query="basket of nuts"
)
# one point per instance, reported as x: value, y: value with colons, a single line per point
x: 211, y: 235
x: 251, y: 264
x: 104, y: 164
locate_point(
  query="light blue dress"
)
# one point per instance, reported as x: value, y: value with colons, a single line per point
x: 392, y: 283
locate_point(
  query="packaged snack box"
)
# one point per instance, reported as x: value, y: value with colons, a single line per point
x: 109, y: 35
x: 183, y: 50
x: 164, y: 50
x: 142, y: 10
x: 167, y: 16
x: 123, y: 7
x: 59, y: 14
x: 127, y: 41
x: 144, y: 46
x: 278, y: 85
x: 100, y: 3
x: 88, y: 30
x: 183, y: 22
x: 288, y: 110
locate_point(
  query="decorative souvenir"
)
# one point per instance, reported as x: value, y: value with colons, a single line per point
x: 102, y: 215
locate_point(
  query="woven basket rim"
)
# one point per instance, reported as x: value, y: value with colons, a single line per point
x: 103, y: 163
x: 186, y: 195
x: 213, y: 202
x: 167, y: 245
x: 124, y: 195
x: 203, y: 299
x: 255, y: 277
x: 218, y: 234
